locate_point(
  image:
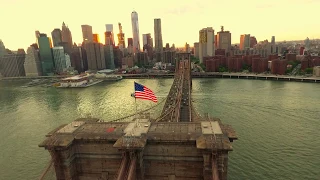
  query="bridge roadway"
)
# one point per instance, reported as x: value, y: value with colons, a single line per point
x: 179, y: 145
x: 178, y: 104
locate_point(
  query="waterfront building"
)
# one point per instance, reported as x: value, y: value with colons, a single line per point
x: 245, y: 41
x: 32, y: 64
x: 68, y: 60
x: 127, y: 62
x: 56, y: 35
x: 223, y: 40
x: 87, y: 34
x: 46, y: 56
x: 60, y: 59
x: 78, y: 58
x: 135, y: 32
x: 206, y: 43
x: 109, y: 57
x: 316, y: 71
x: 142, y: 59
x: 118, y: 55
x: 66, y: 37
x: 169, y: 56
x: 2, y: 49
x: 95, y: 56
x: 11, y: 65
x: 158, y: 40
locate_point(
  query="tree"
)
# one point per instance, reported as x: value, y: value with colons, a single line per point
x: 194, y: 59
x: 223, y: 69
x: 202, y: 66
x: 309, y: 70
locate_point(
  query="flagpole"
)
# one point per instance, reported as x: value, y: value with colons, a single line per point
x: 135, y: 102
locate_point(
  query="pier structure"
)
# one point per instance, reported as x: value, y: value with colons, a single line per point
x: 179, y: 145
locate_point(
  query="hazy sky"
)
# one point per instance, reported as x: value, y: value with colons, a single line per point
x: 181, y: 19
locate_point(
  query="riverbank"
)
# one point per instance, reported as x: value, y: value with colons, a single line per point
x: 257, y: 76
x: 198, y: 75
x: 230, y: 76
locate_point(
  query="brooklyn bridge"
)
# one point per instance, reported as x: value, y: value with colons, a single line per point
x: 177, y: 145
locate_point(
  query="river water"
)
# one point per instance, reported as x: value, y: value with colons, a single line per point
x: 278, y: 123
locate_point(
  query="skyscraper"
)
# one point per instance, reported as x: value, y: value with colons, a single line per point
x: 66, y: 37
x: 158, y: 40
x: 56, y: 35
x: 148, y: 44
x: 253, y: 41
x: 130, y: 46
x: 109, y: 57
x: 273, y: 40
x: 244, y: 41
x: 224, y: 40
x: 307, y: 44
x: 11, y: 65
x: 87, y: 33
x: 206, y: 43
x: 109, y: 36
x: 60, y: 60
x: 95, y: 56
x: 45, y: 55
x: 32, y: 64
x: 121, y: 40
x: 37, y: 33
x: 130, y: 41
x: 145, y: 38
x: 135, y: 32
x: 79, y: 59
x: 96, y: 38
x: 109, y: 27
x: 187, y: 48
x: 196, y: 49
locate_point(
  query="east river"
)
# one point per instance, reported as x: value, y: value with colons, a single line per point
x: 278, y: 123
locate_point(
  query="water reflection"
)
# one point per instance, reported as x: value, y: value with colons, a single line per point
x: 7, y: 99
x: 53, y: 98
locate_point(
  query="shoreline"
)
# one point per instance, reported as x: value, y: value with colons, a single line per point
x: 269, y: 77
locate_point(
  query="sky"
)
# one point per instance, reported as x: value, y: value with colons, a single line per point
x: 181, y: 19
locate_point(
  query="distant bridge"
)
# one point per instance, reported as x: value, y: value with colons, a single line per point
x: 177, y: 145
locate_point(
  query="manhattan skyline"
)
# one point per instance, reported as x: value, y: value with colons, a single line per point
x: 181, y: 19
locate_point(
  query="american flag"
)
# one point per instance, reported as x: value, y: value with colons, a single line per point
x: 142, y: 92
